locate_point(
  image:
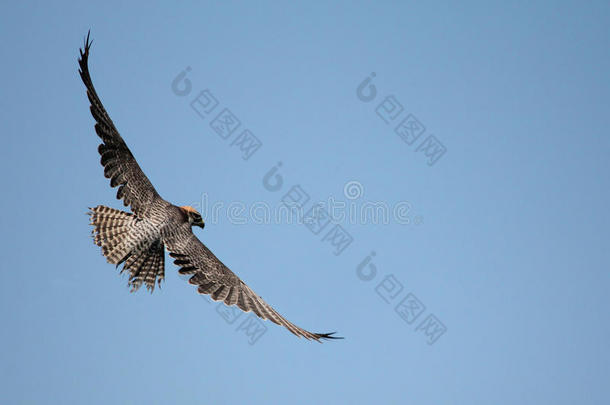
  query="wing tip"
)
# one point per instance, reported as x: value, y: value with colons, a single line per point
x: 326, y: 336
x: 84, y: 52
x: 88, y: 42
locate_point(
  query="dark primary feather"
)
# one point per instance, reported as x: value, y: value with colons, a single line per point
x: 120, y: 166
x: 212, y: 277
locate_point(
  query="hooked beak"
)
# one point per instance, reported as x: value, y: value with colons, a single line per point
x: 200, y: 224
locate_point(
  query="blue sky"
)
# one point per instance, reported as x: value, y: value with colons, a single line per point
x: 505, y: 253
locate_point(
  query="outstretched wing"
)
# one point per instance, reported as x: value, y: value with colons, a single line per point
x: 214, y: 278
x: 119, y: 164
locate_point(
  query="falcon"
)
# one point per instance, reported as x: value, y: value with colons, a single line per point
x: 138, y: 239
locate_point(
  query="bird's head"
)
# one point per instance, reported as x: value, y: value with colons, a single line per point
x: 193, y: 216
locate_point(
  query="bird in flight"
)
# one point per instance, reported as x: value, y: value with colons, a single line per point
x: 138, y: 239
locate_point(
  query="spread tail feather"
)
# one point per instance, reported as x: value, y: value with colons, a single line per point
x: 114, y: 232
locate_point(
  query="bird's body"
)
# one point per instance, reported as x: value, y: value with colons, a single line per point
x: 138, y: 240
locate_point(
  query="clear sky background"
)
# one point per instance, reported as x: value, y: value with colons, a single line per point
x: 507, y: 243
